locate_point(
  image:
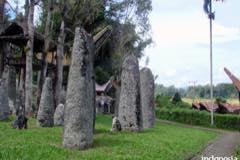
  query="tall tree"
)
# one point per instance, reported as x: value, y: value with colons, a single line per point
x: 2, y: 4
x: 29, y: 60
x: 45, y: 49
x: 60, y: 55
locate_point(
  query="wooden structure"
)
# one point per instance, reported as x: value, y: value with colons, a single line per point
x: 208, y: 106
x: 14, y: 34
x: 235, y: 80
x: 104, y: 101
x: 228, y: 108
x: 217, y: 107
x: 196, y: 106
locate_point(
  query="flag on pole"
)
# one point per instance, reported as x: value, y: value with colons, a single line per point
x: 206, y: 8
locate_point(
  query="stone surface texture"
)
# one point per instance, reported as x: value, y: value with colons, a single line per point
x: 4, y: 104
x: 80, y: 101
x: 147, y: 97
x: 129, y: 111
x: 59, y: 115
x: 46, y: 107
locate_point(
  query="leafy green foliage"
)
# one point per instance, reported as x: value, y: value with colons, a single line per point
x: 201, y: 118
x: 164, y: 142
x: 223, y: 90
x: 166, y: 102
x: 128, y: 18
x: 220, y: 100
x: 176, y: 98
x: 102, y: 76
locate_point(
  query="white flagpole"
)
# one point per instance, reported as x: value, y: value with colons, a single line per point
x: 211, y: 62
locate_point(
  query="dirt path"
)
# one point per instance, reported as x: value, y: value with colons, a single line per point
x: 223, y: 146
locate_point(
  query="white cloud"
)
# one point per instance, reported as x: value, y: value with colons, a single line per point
x: 180, y: 53
x: 178, y: 29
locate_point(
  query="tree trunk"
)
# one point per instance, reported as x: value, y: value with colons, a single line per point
x: 60, y: 54
x: 21, y: 85
x: 29, y: 56
x: 25, y: 24
x: 2, y: 4
x: 45, y: 50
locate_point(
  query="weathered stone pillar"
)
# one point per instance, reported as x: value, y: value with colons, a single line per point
x: 147, y: 97
x: 129, y: 114
x: 46, y: 107
x: 4, y: 105
x: 59, y: 115
x: 79, y: 109
x: 12, y: 89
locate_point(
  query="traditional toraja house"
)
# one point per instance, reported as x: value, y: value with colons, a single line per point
x: 15, y: 36
x: 217, y: 107
x: 228, y: 108
x: 196, y: 106
x: 99, y: 40
x: 104, y: 100
x: 235, y: 80
x: 208, y: 106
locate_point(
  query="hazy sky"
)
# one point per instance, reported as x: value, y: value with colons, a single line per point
x: 180, y: 30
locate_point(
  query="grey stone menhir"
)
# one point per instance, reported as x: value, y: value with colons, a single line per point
x: 12, y: 89
x: 129, y: 111
x: 147, y: 97
x: 46, y: 106
x: 59, y: 115
x: 79, y: 109
x: 4, y: 104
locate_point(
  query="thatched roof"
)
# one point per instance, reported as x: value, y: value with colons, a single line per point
x: 105, y: 87
x: 234, y: 79
x: 101, y: 37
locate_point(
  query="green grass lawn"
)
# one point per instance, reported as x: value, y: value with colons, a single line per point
x: 166, y: 142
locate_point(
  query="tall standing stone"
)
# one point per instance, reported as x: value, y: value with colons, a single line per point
x: 59, y: 115
x: 12, y: 89
x: 147, y: 97
x: 4, y: 105
x: 46, y: 107
x: 63, y: 95
x: 129, y: 114
x: 79, y: 109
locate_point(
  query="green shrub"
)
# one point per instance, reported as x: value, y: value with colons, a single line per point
x: 165, y: 102
x: 200, y: 118
x: 176, y: 98
x: 220, y: 100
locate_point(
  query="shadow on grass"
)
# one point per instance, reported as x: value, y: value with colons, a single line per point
x: 101, y: 131
x: 110, y: 142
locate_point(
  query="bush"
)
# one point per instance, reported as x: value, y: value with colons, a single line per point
x: 165, y: 102
x: 176, y: 98
x: 220, y: 100
x: 201, y: 118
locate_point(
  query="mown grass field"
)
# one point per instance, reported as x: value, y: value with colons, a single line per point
x: 189, y: 100
x: 164, y: 142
